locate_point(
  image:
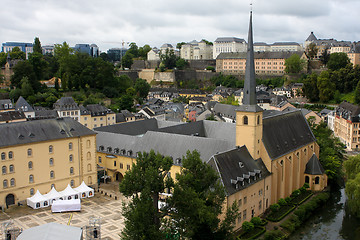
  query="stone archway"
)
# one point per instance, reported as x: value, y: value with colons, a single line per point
x: 10, y: 199
x: 118, y: 176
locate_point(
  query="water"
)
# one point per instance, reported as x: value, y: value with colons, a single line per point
x: 331, y: 222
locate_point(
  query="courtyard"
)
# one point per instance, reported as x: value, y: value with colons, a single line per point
x: 105, y: 205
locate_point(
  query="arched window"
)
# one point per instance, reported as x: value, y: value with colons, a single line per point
x: 52, y: 174
x: 245, y: 120
x: 71, y: 171
x: 88, y: 143
x: 29, y: 152
x: 31, y: 191
x: 99, y: 159
x: 3, y: 156
x: 4, y: 170
x: 51, y: 162
x: 11, y: 168
x: 317, y: 180
x: 88, y: 155
x: 30, y: 165
x: 71, y: 158
x: 258, y: 120
x: 5, y: 183
x: 70, y: 146
x: 11, y: 155
x: 307, y: 179
x: 89, y: 180
x: 51, y: 149
x: 72, y: 183
x: 12, y: 182
x: 31, y: 178
x: 89, y: 167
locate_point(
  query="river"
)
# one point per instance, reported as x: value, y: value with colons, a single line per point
x: 331, y: 222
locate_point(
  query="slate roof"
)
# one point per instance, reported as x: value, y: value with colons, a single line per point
x: 285, y: 43
x: 236, y: 167
x: 311, y: 37
x: 23, y: 105
x: 131, y: 128
x: 66, y: 103
x: 167, y: 144
x: 98, y: 110
x: 120, y: 118
x: 84, y: 111
x: 229, y: 39
x: 348, y: 111
x: 5, y: 104
x: 41, y: 130
x: 286, y: 132
x: 45, y: 114
x: 258, y: 55
x: 11, y: 116
x: 314, y: 167
x: 225, y: 110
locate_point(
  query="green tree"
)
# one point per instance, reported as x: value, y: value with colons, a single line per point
x: 312, y: 50
x: 3, y: 57
x: 207, y: 42
x: 26, y: 88
x: 310, y: 88
x: 143, y: 51
x: 352, y: 186
x: 16, y: 53
x: 142, y: 87
x: 123, y: 82
x: 37, y: 46
x: 294, y: 64
x: 197, y: 202
x: 326, y: 87
x: 324, y: 58
x: 338, y: 61
x: 133, y: 49
x: 39, y: 64
x: 126, y: 102
x: 127, y: 60
x: 23, y: 69
x: 181, y: 64
x: 178, y: 45
x: 230, y: 100
x: 168, y: 59
x: 143, y: 183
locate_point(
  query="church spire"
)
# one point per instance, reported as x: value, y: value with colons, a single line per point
x: 250, y: 82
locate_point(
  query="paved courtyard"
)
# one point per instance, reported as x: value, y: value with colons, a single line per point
x: 100, y: 206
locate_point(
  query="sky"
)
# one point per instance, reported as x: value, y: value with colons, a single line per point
x: 108, y: 23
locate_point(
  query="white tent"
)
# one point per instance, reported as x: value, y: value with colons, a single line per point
x: 52, y: 231
x: 53, y: 195
x: 68, y: 193
x: 84, y: 190
x: 37, y: 201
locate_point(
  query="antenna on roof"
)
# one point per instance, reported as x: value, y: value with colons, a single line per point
x: 251, y: 6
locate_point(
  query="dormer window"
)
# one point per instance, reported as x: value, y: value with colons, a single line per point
x: 129, y: 153
x: 241, y: 164
x: 109, y: 149
x: 101, y: 148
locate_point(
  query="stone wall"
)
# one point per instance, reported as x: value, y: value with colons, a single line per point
x: 165, y: 76
x: 133, y: 74
x: 147, y: 74
x: 201, y: 64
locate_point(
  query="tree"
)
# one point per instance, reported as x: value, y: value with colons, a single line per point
x: 178, y: 45
x: 294, y: 64
x: 197, y: 202
x: 143, y: 183
x: 324, y: 58
x: 23, y: 69
x: 127, y: 60
x: 168, y: 59
x: 26, y: 88
x: 3, y: 57
x: 142, y: 87
x: 230, y: 100
x: 39, y: 64
x: 37, y: 46
x: 338, y: 61
x: 326, y: 87
x: 207, y: 42
x: 352, y: 186
x: 143, y: 51
x: 126, y: 102
x: 310, y: 89
x: 181, y: 64
x: 133, y: 49
x: 16, y: 53
x: 312, y: 50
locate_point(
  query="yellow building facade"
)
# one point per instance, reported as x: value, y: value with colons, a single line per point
x: 41, y: 161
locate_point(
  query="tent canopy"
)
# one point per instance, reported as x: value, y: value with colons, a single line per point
x: 51, y: 231
x: 52, y: 195
x: 37, y: 201
x: 85, y: 190
x: 69, y: 193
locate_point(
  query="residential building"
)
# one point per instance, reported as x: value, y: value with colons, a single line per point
x: 12, y: 116
x: 39, y: 155
x: 282, y: 91
x: 153, y: 54
x: 340, y: 47
x: 191, y: 93
x: 48, y: 49
x: 153, y: 111
x: 196, y: 51
x: 228, y: 45
x: 297, y: 90
x: 23, y: 106
x: 96, y: 115
x: 347, y: 125
x: 331, y: 120
x: 67, y: 107
x: 6, y: 105
x: 7, y: 71
x: 266, y: 63
x: 262, y: 47
x: 27, y: 48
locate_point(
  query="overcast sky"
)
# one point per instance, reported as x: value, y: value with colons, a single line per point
x: 109, y: 22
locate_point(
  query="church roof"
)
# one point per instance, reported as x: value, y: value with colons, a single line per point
x: 237, y: 167
x: 311, y: 38
x: 283, y: 133
x: 314, y: 167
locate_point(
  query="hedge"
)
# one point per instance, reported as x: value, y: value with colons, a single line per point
x: 283, y: 212
x: 301, y: 198
x: 254, y: 234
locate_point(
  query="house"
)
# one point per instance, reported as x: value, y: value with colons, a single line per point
x: 38, y: 155
x: 67, y: 107
x: 347, y: 125
x: 297, y: 90
x: 96, y: 115
x: 153, y: 111
x: 23, y: 106
x: 308, y: 114
x: 12, y: 116
x: 6, y: 105
x: 196, y: 51
x: 51, y: 83
x: 8, y: 70
x: 286, y: 47
x: 282, y: 91
x: 153, y: 54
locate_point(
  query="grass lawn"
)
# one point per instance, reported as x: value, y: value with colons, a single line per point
x: 256, y: 232
x: 283, y: 211
x: 297, y: 200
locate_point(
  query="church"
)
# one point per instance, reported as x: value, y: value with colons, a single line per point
x: 262, y: 157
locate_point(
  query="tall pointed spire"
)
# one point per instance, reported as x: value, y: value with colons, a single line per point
x: 250, y: 81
